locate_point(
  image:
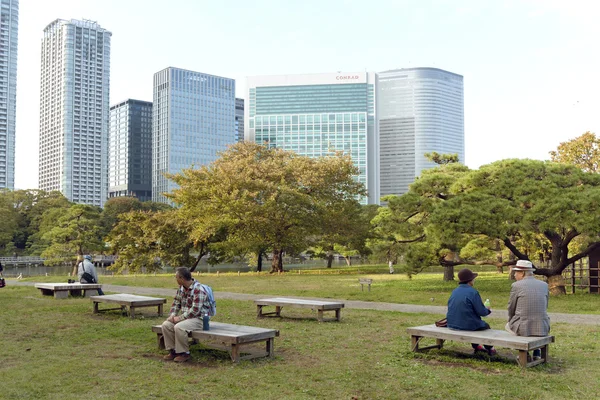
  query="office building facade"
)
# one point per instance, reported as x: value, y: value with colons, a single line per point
x: 9, y: 24
x: 317, y: 114
x: 193, y: 120
x: 421, y: 110
x: 130, y: 150
x: 239, y: 120
x: 74, y: 110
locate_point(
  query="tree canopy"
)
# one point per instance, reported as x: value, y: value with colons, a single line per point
x: 582, y: 152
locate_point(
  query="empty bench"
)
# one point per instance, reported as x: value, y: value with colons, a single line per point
x: 235, y: 339
x: 128, y: 300
x: 62, y: 290
x: 280, y: 302
x: 490, y: 337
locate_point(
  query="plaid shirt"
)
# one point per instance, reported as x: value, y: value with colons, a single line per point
x: 192, y: 302
x: 527, y: 305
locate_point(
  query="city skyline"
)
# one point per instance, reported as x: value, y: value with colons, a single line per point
x: 527, y: 87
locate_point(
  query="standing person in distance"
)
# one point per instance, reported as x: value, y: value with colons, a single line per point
x: 189, y: 306
x: 87, y: 266
x: 465, y: 309
x: 528, y: 305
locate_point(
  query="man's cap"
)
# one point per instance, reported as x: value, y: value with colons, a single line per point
x: 466, y: 275
x: 523, y: 265
x: 88, y: 257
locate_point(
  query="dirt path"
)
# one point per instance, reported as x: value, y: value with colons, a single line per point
x: 579, y: 319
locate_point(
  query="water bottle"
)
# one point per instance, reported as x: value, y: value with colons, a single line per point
x: 487, y: 303
x: 205, y: 320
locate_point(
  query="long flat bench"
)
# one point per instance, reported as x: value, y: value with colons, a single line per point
x: 62, y: 290
x: 490, y: 337
x: 234, y: 339
x: 280, y: 302
x: 128, y: 300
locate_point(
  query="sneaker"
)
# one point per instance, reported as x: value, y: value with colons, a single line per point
x: 478, y: 349
x: 492, y: 352
x: 182, y: 358
x: 170, y: 357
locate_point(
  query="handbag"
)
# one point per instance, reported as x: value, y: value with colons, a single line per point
x: 442, y: 323
x: 86, y: 276
x: 2, y: 282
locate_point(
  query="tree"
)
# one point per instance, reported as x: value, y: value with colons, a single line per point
x: 9, y: 222
x: 403, y: 227
x: 75, y: 233
x: 520, y: 201
x: 582, y: 152
x: 265, y: 198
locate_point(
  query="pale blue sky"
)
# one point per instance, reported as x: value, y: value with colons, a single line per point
x: 530, y: 67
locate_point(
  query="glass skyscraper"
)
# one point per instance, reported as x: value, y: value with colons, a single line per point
x: 239, y: 120
x: 9, y: 24
x: 421, y: 110
x: 317, y: 114
x: 130, y: 150
x: 74, y: 110
x: 193, y: 120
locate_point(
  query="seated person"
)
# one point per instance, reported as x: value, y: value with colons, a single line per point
x: 465, y: 309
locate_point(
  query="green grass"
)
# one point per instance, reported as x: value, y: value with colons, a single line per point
x: 424, y: 288
x: 58, y: 349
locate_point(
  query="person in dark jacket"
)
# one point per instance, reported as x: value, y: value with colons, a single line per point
x: 465, y: 309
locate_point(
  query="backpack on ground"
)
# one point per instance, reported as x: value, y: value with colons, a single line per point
x: 212, y: 310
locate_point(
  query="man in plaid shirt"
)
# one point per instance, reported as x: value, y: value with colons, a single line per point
x: 189, y: 305
x: 528, y: 304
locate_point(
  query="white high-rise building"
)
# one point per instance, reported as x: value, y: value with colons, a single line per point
x: 9, y: 23
x: 421, y: 110
x: 74, y: 110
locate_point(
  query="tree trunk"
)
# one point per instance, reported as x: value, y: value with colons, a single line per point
x: 280, y: 261
x: 329, y: 260
x: 448, y: 272
x: 556, y: 285
x: 277, y: 263
x: 348, y: 261
x: 259, y: 262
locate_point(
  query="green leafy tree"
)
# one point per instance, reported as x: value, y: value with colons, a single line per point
x: 265, y: 198
x: 517, y: 201
x: 582, y: 152
x: 74, y: 233
x: 10, y: 222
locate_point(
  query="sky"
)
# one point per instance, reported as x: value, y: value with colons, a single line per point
x: 530, y: 67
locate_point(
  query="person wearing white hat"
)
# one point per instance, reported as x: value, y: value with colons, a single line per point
x: 528, y: 304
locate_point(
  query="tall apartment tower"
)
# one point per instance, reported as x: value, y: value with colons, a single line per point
x: 239, y: 120
x: 130, y: 150
x: 193, y: 119
x: 9, y: 23
x: 317, y: 114
x: 421, y: 110
x: 74, y: 110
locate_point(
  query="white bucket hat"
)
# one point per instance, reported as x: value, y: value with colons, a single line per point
x: 523, y: 265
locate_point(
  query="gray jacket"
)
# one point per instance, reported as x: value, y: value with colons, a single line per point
x: 527, y: 307
x: 89, y: 268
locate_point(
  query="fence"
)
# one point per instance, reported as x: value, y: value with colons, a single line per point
x: 580, y: 276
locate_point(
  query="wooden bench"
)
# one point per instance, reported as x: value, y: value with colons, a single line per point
x: 128, y: 300
x: 234, y: 339
x: 490, y: 337
x: 280, y: 302
x: 62, y: 290
x: 365, y: 281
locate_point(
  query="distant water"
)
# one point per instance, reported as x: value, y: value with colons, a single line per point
x: 12, y: 271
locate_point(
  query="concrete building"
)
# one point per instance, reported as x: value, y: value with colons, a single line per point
x: 9, y: 24
x: 130, y: 150
x: 421, y: 110
x: 74, y: 110
x: 193, y: 120
x: 317, y: 114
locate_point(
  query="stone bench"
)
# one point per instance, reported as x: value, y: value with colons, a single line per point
x: 62, y: 290
x: 280, y: 302
x: 128, y: 300
x: 234, y: 339
x: 363, y: 282
x: 490, y: 337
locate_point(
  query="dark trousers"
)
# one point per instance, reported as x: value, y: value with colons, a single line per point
x: 487, y: 347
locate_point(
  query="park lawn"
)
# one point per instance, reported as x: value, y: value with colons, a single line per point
x: 342, y: 284
x: 58, y: 349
